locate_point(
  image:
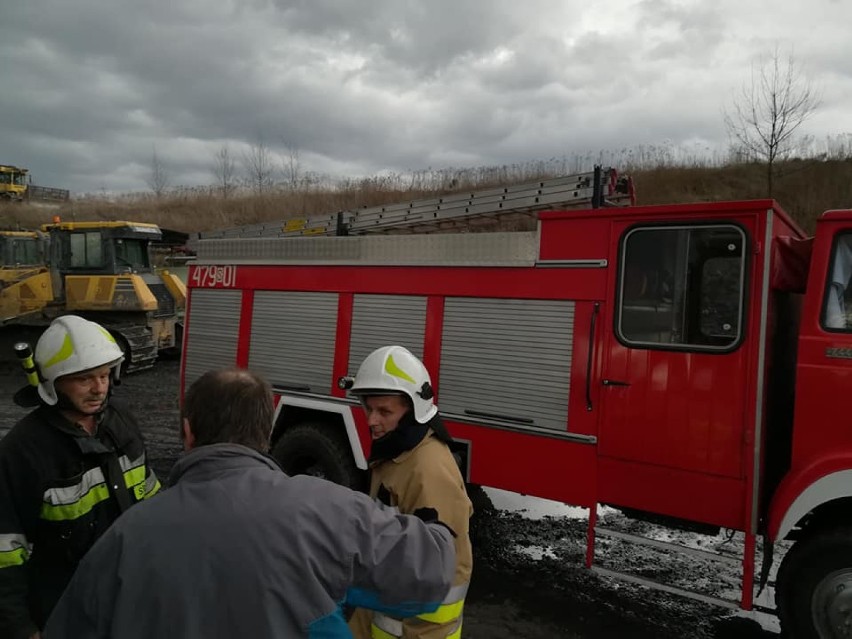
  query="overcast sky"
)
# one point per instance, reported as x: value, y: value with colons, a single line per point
x: 89, y: 88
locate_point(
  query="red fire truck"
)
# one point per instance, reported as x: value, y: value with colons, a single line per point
x: 681, y: 361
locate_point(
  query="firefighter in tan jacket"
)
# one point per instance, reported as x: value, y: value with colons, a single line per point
x: 412, y: 469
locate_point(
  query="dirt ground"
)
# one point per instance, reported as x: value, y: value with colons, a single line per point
x: 528, y: 580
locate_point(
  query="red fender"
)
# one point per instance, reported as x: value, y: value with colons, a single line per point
x: 805, y: 488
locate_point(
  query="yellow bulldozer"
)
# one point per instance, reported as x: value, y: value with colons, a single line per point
x: 22, y: 255
x: 101, y: 271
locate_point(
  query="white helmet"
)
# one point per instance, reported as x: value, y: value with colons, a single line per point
x: 71, y: 345
x: 393, y: 370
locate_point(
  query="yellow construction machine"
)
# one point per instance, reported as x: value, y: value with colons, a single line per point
x: 22, y: 255
x: 15, y: 185
x: 103, y: 271
x: 13, y: 182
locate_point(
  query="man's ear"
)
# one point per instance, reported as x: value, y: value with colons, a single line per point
x: 188, y: 436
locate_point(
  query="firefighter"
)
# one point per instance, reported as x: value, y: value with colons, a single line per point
x: 67, y: 471
x: 236, y: 548
x: 412, y: 467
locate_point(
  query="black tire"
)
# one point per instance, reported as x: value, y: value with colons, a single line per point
x: 814, y: 586
x: 483, y: 515
x: 480, y: 500
x: 320, y: 450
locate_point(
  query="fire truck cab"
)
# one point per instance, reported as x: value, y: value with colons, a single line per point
x: 686, y: 361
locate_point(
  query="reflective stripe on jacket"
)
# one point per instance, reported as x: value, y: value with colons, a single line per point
x: 60, y: 489
x: 427, y: 476
x: 446, y: 621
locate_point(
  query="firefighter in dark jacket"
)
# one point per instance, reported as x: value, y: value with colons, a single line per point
x: 67, y: 471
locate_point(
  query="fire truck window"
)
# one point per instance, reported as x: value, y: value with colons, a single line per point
x: 720, y: 299
x: 682, y: 287
x: 86, y: 251
x: 837, y: 313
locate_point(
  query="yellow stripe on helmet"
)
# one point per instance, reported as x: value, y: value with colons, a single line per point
x: 65, y: 351
x: 392, y: 369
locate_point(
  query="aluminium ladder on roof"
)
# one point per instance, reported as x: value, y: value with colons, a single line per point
x: 601, y: 187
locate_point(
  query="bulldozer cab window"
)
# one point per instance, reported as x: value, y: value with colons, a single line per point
x: 681, y: 287
x: 131, y: 254
x: 86, y: 250
x: 25, y: 252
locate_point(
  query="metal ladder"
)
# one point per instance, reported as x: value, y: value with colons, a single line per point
x: 594, y: 189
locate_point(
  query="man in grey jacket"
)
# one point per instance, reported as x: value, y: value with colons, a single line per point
x: 236, y: 548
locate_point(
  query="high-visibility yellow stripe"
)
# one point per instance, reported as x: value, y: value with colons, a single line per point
x: 154, y: 490
x: 64, y: 495
x: 107, y: 334
x: 96, y: 491
x: 126, y: 463
x: 14, y: 550
x: 385, y: 627
x: 378, y: 633
x: 12, y: 541
x: 14, y: 557
x: 444, y: 614
x: 138, y: 479
x: 134, y: 476
x: 397, y: 626
x: 392, y: 369
x: 77, y: 509
x: 65, y: 351
x: 139, y: 484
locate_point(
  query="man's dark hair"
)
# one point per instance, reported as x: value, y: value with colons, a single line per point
x: 230, y: 406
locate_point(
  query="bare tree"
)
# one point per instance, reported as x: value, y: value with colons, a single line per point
x: 158, y: 177
x: 292, y: 168
x: 224, y: 170
x: 259, y: 167
x: 769, y: 110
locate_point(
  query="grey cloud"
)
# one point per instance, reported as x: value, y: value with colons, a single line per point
x: 380, y: 85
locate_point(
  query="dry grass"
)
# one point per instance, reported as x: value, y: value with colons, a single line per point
x: 805, y: 188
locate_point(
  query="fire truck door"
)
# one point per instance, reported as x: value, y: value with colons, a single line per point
x: 674, y: 368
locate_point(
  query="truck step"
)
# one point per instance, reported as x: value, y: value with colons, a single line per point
x: 609, y: 560
x: 601, y: 531
x: 674, y: 590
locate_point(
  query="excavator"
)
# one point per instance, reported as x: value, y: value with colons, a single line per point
x: 101, y: 271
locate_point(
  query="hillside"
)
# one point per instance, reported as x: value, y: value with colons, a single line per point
x: 804, y: 188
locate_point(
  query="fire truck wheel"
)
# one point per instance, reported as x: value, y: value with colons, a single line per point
x: 320, y: 450
x: 814, y: 586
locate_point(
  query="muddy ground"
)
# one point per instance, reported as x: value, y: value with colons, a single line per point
x: 528, y: 581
